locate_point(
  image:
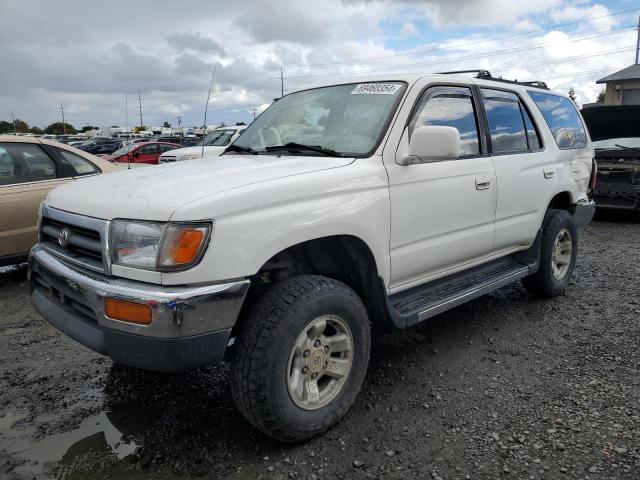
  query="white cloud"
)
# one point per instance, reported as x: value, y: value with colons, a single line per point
x: 168, y: 53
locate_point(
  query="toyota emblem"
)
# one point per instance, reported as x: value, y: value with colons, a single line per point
x: 63, y: 238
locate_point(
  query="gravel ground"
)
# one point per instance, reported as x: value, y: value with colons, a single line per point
x: 503, y: 387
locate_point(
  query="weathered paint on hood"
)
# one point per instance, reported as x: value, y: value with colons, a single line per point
x: 155, y: 193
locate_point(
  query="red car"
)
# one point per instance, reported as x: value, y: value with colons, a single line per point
x: 148, y: 152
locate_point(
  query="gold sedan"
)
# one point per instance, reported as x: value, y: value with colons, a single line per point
x: 29, y: 168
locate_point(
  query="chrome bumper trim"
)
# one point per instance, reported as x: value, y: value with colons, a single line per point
x: 177, y: 311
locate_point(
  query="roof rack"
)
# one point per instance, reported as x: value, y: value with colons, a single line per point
x: 486, y: 75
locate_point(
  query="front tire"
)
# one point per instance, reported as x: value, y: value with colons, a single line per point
x: 558, y: 254
x: 300, y: 357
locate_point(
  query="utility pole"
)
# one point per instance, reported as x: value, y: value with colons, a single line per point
x: 64, y: 126
x: 126, y: 111
x: 254, y: 112
x: 14, y: 123
x: 281, y: 83
x: 638, y: 43
x: 140, y: 107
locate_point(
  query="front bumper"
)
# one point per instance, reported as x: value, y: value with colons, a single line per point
x: 190, y: 326
x: 583, y: 212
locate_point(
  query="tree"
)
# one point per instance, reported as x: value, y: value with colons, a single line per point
x: 58, y: 128
x: 35, y: 130
x: 572, y: 95
x: 6, y: 127
x: 86, y: 128
x: 240, y: 123
x: 601, y: 95
x: 21, y: 126
x: 166, y: 125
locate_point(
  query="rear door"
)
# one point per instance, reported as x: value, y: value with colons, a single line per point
x: 27, y: 174
x: 523, y: 186
x: 147, y: 154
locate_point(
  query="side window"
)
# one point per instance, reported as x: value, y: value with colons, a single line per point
x: 166, y: 148
x: 532, y: 134
x: 148, y: 149
x: 562, y: 118
x: 82, y: 166
x: 450, y: 107
x: 506, y: 123
x: 23, y: 163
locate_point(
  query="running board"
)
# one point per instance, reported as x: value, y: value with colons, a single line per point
x: 425, y: 301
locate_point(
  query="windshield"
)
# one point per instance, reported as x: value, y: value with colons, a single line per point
x: 122, y: 151
x: 344, y: 120
x: 217, y: 138
x: 617, y: 143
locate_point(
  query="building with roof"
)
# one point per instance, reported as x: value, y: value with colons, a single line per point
x: 622, y: 87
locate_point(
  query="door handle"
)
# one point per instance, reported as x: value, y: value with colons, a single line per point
x: 549, y: 173
x: 483, y: 183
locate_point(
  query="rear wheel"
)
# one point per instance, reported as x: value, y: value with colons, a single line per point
x: 558, y: 254
x: 301, y: 356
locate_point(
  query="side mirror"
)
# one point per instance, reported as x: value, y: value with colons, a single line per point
x: 431, y: 144
x: 136, y: 153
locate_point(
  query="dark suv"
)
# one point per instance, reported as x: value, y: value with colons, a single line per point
x: 101, y: 146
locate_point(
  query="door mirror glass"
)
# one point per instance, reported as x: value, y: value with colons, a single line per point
x: 432, y: 144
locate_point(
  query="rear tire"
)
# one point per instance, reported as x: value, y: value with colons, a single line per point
x: 558, y: 254
x: 307, y: 330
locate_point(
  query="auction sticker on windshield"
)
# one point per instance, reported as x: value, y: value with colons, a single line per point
x: 376, y: 89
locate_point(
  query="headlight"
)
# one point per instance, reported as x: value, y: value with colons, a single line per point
x: 191, y: 156
x: 158, y: 246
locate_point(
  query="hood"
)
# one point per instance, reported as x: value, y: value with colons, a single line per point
x: 606, y: 122
x: 208, y: 151
x: 155, y: 193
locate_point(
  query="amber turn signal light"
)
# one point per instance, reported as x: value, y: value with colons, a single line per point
x: 186, y: 247
x: 127, y: 311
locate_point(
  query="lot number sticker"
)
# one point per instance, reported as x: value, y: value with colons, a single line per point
x: 376, y: 89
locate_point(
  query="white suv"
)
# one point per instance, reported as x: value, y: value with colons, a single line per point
x: 381, y: 202
x: 215, y: 143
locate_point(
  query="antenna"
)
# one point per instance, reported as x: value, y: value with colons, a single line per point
x: 64, y: 126
x: 206, y: 107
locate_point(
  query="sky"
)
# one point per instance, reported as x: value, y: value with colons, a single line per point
x: 95, y: 57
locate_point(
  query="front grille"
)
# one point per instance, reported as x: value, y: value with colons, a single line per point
x: 74, y: 238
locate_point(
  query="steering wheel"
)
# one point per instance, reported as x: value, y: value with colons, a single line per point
x: 275, y: 132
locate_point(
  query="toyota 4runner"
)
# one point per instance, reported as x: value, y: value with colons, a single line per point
x: 376, y: 203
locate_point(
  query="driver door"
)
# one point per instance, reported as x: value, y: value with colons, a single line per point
x: 442, y: 212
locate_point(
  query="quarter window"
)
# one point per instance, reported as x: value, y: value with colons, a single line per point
x: 450, y: 107
x: 562, y: 118
x: 24, y: 163
x: 80, y: 165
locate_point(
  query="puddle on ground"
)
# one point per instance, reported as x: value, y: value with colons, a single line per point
x: 96, y: 433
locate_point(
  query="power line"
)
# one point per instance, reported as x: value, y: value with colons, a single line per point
x: 483, y: 55
x: 466, y: 44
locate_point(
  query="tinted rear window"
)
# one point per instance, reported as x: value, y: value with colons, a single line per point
x: 562, y: 118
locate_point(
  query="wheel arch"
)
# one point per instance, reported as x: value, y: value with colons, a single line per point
x: 346, y: 258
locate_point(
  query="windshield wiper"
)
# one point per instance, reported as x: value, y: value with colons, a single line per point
x: 294, y: 147
x: 239, y: 148
x: 624, y: 147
